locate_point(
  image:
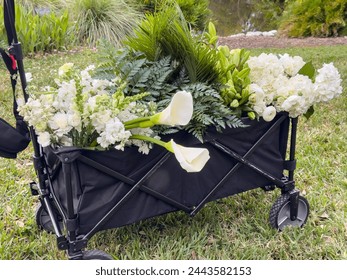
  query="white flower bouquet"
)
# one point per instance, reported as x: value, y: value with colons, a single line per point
x: 285, y: 83
x: 95, y: 114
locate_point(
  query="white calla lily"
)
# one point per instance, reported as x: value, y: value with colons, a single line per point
x: 179, y: 111
x: 190, y: 159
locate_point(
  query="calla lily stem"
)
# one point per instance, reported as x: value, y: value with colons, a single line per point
x: 137, y: 120
x: 152, y: 140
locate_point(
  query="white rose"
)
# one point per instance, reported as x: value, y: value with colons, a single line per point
x: 269, y: 113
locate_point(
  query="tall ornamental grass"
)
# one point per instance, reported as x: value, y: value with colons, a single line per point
x: 110, y: 20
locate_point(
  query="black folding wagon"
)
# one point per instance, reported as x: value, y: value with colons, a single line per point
x: 82, y: 192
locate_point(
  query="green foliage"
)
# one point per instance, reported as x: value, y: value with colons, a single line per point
x: 103, y: 19
x: 37, y: 33
x: 140, y: 74
x: 167, y: 34
x: 196, y: 12
x: 319, y: 18
x: 234, y: 78
x: 161, y: 79
x: 209, y: 111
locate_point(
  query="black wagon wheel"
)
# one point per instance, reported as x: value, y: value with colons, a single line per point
x: 95, y: 255
x: 43, y: 220
x: 280, y: 212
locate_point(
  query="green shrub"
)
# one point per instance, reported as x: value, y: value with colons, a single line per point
x: 103, y: 19
x: 318, y: 18
x: 269, y: 14
x: 36, y: 32
x: 196, y: 12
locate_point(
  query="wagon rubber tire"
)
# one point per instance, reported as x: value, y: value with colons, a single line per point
x: 43, y: 220
x: 280, y: 212
x: 95, y: 255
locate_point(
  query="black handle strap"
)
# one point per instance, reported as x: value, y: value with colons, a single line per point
x: 11, y: 59
x: 9, y: 18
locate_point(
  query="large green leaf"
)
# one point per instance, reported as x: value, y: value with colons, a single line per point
x: 308, y: 70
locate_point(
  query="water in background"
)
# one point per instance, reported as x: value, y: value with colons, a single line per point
x: 235, y: 16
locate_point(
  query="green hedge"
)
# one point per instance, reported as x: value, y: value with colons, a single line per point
x: 320, y: 18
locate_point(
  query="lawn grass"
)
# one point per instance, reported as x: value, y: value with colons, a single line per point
x: 231, y: 228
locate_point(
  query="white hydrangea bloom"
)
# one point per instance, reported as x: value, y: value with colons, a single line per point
x: 291, y: 65
x: 295, y: 105
x: 285, y: 89
x: 328, y: 83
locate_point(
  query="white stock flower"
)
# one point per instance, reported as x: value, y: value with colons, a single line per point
x: 59, y: 121
x: 100, y: 119
x: 44, y: 139
x: 64, y: 98
x: 28, y: 77
x: 114, y: 132
x: 179, y: 111
x: 65, y: 69
x: 65, y: 141
x: 269, y: 113
x: 74, y: 120
x: 190, y: 159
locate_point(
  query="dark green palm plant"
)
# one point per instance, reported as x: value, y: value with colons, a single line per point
x: 167, y: 33
x: 196, y: 12
x: 111, y: 20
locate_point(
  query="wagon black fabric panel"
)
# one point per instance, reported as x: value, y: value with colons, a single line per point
x: 269, y: 156
x: 101, y: 192
x: 191, y: 188
x: 95, y: 204
x: 95, y: 193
